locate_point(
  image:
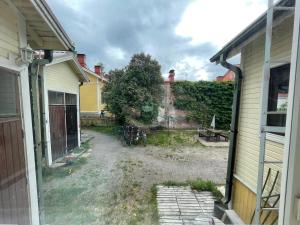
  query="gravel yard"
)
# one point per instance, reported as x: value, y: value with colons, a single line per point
x: 115, y: 185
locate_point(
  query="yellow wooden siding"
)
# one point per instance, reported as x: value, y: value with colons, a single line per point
x: 102, y: 105
x: 9, y: 40
x: 244, y: 203
x: 248, y: 137
x: 90, y: 95
x: 61, y: 77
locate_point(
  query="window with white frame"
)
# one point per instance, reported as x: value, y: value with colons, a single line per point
x: 278, y: 96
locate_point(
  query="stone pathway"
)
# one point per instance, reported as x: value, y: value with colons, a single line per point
x: 182, y: 206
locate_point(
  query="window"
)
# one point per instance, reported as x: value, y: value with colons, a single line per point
x: 278, y: 95
x: 56, y: 98
x: 71, y: 99
x: 103, y: 97
x: 8, y: 93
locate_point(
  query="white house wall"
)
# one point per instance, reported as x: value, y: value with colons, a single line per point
x: 248, y: 137
x: 61, y: 78
x: 9, y: 39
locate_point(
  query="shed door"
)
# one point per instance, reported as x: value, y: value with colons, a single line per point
x: 57, y: 124
x: 71, y: 121
x: 63, y: 123
x: 14, y: 202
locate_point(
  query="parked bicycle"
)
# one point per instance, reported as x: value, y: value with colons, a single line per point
x: 134, y: 135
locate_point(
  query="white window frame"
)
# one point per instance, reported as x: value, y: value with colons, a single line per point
x: 271, y: 136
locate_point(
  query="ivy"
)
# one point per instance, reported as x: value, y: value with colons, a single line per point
x: 204, y: 99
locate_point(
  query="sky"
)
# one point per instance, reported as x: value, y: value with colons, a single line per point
x: 180, y: 34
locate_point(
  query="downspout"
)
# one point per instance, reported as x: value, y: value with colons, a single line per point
x: 34, y: 70
x: 233, y: 127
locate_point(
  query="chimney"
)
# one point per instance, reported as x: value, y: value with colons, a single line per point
x: 171, y: 75
x: 82, y: 60
x: 98, y: 69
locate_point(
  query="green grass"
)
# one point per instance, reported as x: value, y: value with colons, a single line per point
x: 63, y: 206
x: 172, y: 138
x: 112, y: 130
x: 199, y: 185
x: 84, y: 147
x: 63, y: 171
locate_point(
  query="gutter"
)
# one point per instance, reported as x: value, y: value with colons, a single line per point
x: 233, y: 127
x: 38, y: 123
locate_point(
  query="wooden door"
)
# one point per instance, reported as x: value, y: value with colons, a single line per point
x: 57, y: 130
x: 72, y: 127
x: 14, y: 200
x: 71, y: 120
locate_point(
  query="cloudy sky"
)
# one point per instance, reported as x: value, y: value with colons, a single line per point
x: 180, y: 34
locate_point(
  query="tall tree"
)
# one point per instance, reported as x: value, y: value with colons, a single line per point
x: 135, y: 92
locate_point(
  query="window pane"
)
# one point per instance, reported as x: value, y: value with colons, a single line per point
x: 71, y: 99
x: 56, y: 98
x: 278, y: 95
x: 8, y: 93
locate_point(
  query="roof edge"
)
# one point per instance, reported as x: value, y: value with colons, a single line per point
x: 70, y: 58
x: 251, y: 30
x: 44, y: 10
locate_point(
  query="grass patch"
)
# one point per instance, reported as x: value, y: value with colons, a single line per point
x: 112, y: 130
x: 164, y: 138
x: 64, y: 206
x: 84, y: 147
x: 199, y: 185
x: 63, y: 171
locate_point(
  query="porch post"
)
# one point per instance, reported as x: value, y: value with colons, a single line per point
x: 290, y: 184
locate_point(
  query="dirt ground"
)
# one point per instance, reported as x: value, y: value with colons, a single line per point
x: 114, y: 186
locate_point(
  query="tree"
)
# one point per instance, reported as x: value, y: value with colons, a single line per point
x: 135, y: 92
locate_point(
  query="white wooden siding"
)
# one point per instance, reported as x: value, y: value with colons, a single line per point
x: 61, y: 77
x: 9, y: 40
x: 248, y: 136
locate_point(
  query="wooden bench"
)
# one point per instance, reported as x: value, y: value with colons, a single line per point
x: 225, y: 135
x: 205, y: 133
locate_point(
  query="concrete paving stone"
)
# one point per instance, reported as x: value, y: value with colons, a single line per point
x: 181, y: 205
x: 173, y: 221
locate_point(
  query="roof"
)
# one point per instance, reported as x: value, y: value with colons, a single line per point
x: 95, y: 74
x: 43, y: 29
x: 234, y: 46
x: 71, y: 59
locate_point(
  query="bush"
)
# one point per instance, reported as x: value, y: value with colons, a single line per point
x: 135, y: 92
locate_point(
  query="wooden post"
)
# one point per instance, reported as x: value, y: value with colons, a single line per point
x: 36, y: 117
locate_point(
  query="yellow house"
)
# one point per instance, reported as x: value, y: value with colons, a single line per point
x: 91, y: 93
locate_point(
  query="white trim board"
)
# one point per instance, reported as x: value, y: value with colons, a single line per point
x: 290, y: 184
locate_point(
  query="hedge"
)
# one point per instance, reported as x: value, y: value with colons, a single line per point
x: 204, y: 99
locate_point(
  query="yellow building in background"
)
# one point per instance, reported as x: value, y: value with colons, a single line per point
x: 91, y: 93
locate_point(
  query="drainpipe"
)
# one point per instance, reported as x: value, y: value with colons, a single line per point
x: 233, y: 127
x: 37, y: 124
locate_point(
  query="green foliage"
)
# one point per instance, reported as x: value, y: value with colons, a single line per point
x: 203, y: 99
x: 63, y: 171
x: 199, y: 185
x: 135, y: 92
x: 173, y: 138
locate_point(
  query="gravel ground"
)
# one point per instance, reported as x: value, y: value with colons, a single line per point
x: 114, y: 187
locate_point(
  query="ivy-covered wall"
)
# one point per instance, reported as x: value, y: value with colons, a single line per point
x: 204, y: 99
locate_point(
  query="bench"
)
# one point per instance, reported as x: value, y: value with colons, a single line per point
x: 225, y: 135
x: 208, y: 135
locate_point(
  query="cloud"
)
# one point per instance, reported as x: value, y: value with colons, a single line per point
x: 218, y: 21
x: 111, y: 31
